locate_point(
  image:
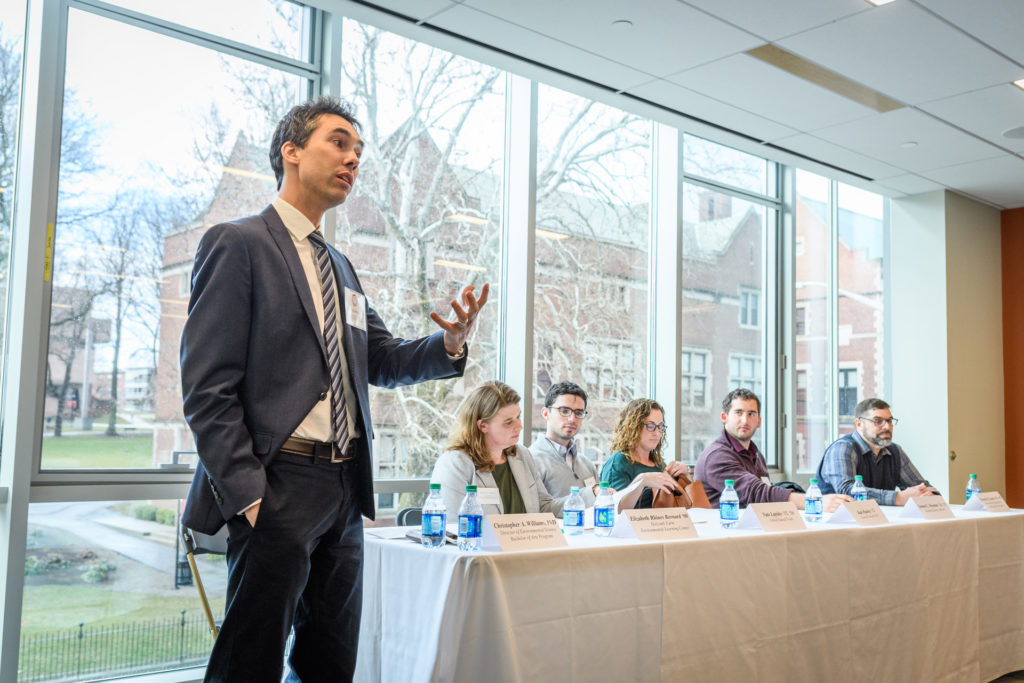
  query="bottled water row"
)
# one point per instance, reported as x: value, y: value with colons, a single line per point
x: 471, y: 517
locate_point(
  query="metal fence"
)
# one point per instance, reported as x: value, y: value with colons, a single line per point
x: 96, y: 652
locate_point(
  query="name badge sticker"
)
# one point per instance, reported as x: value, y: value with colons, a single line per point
x: 589, y: 481
x: 355, y: 309
x: 488, y: 496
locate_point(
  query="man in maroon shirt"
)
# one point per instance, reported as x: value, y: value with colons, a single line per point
x: 734, y: 455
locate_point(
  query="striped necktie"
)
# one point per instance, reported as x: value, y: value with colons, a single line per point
x: 339, y: 416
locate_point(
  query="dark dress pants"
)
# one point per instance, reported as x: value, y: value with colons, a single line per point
x: 301, y: 566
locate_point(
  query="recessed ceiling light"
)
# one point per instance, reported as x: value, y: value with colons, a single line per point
x: 622, y: 23
x: 1016, y: 133
x: 1019, y: 83
x: 878, y: 3
x: 909, y: 144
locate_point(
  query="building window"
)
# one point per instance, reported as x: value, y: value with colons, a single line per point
x: 745, y: 372
x: 695, y: 378
x: 610, y: 369
x: 847, y: 391
x: 750, y: 301
x: 800, y: 321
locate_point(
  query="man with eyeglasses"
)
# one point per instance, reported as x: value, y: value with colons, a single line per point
x: 870, y: 452
x: 558, y: 455
x: 734, y: 455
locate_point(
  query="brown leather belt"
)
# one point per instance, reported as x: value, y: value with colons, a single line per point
x: 319, y: 450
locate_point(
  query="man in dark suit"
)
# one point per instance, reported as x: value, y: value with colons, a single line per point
x: 276, y: 357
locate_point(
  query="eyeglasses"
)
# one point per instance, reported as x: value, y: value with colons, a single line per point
x: 651, y: 426
x: 565, y: 411
x: 879, y: 421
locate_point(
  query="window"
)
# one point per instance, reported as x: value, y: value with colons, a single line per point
x: 695, y: 376
x: 745, y: 373
x: 592, y: 252
x: 847, y: 392
x: 800, y: 321
x: 424, y: 220
x: 749, y: 305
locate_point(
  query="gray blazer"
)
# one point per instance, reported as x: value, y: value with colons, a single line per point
x: 558, y: 477
x: 454, y: 471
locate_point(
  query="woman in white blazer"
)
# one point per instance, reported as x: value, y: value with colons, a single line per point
x: 482, y: 449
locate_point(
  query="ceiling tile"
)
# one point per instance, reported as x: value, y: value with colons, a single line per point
x: 882, y: 137
x: 417, y: 9
x: 666, y: 36
x: 996, y: 22
x: 485, y: 28
x: 986, y: 113
x: 904, y: 52
x: 999, y: 180
x: 780, y: 18
x: 848, y: 160
x: 693, y: 104
x: 753, y: 85
x: 909, y: 184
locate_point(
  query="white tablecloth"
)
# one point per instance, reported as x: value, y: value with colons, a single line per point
x: 909, y: 601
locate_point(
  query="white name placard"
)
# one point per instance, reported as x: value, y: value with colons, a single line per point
x: 772, y: 517
x: 662, y: 524
x: 522, y: 532
x: 862, y: 512
x: 989, y: 501
x: 926, y: 507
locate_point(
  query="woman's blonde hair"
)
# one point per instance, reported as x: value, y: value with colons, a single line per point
x: 483, y: 403
x: 629, y: 426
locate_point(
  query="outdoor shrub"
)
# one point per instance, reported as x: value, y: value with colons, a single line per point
x: 146, y: 512
x: 164, y: 516
x: 99, y: 572
x: 33, y: 565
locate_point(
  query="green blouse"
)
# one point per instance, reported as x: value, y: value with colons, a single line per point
x: 511, y: 499
x: 618, y: 472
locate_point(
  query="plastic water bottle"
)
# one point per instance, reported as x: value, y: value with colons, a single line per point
x: 604, y: 511
x: 471, y: 519
x: 858, y: 492
x: 434, y: 518
x: 972, y: 486
x: 572, y: 512
x: 729, y: 505
x: 812, y: 502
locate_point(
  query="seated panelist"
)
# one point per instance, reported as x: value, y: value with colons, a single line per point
x: 635, y: 469
x: 483, y: 450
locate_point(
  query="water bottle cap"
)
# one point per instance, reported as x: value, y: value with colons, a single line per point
x: 471, y: 489
x: 729, y: 482
x: 435, y: 487
x: 604, y: 485
x: 574, y: 489
x: 813, y: 480
x: 974, y: 476
x: 858, y: 477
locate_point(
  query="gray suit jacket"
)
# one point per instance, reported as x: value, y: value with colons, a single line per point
x: 558, y: 477
x: 253, y: 363
x: 454, y: 471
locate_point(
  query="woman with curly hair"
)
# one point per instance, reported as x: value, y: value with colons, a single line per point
x: 482, y: 449
x: 636, y: 468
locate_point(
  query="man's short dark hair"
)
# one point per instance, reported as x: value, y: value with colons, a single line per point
x: 869, y: 404
x: 561, y: 389
x: 300, y: 122
x: 743, y: 395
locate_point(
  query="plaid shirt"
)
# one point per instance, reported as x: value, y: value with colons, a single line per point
x: 839, y: 465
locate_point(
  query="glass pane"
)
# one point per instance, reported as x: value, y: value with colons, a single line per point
x: 861, y: 342
x: 109, y: 593
x: 12, y: 25
x: 723, y: 164
x: 273, y: 25
x: 143, y: 174
x: 424, y: 220
x: 592, y: 255
x: 811, y: 334
x: 722, y: 259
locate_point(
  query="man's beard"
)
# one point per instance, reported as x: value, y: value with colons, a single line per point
x: 880, y: 441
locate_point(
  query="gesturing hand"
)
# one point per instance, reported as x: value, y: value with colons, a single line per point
x: 457, y: 331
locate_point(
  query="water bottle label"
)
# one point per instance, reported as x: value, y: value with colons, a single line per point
x: 572, y: 518
x: 860, y: 496
x: 970, y: 492
x: 433, y: 524
x: 604, y: 516
x: 469, y: 526
x: 729, y: 511
x: 813, y: 506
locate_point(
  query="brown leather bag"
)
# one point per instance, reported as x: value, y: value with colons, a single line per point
x: 693, y: 495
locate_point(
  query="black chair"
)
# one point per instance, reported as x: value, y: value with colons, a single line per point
x: 197, y: 543
x: 791, y: 485
x: 409, y: 517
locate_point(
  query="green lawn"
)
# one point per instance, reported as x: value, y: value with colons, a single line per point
x: 90, y: 451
